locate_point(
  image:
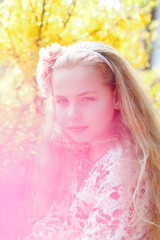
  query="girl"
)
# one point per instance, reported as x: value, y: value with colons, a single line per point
x: 102, y: 147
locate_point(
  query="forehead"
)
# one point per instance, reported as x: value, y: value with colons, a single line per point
x: 77, y: 79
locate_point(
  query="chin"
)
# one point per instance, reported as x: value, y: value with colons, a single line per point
x: 80, y: 139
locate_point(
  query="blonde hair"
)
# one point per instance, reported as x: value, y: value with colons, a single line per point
x: 137, y: 113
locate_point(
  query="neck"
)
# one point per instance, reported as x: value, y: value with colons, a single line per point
x: 97, y: 149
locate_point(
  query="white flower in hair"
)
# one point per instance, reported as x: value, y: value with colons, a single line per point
x: 48, y: 57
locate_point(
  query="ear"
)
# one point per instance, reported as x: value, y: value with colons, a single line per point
x: 116, y: 100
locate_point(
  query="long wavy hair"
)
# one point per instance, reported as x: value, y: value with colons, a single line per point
x: 137, y: 121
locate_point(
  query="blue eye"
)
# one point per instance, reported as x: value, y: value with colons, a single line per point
x: 88, y: 99
x: 61, y: 101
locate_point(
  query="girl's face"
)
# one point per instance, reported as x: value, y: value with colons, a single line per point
x: 84, y: 105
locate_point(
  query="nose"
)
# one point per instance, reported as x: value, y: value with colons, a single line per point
x: 74, y: 113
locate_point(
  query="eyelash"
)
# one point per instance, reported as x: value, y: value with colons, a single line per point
x: 63, y: 100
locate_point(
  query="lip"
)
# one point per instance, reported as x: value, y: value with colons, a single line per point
x: 78, y: 129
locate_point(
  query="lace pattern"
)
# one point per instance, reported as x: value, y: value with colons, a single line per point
x: 99, y: 205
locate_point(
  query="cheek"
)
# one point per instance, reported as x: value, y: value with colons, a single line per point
x: 101, y: 111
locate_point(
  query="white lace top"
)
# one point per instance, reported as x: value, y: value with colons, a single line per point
x: 99, y: 204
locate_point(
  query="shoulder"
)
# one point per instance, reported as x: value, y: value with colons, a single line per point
x: 116, y: 166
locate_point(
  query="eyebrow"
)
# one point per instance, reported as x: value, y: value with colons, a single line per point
x: 81, y: 94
